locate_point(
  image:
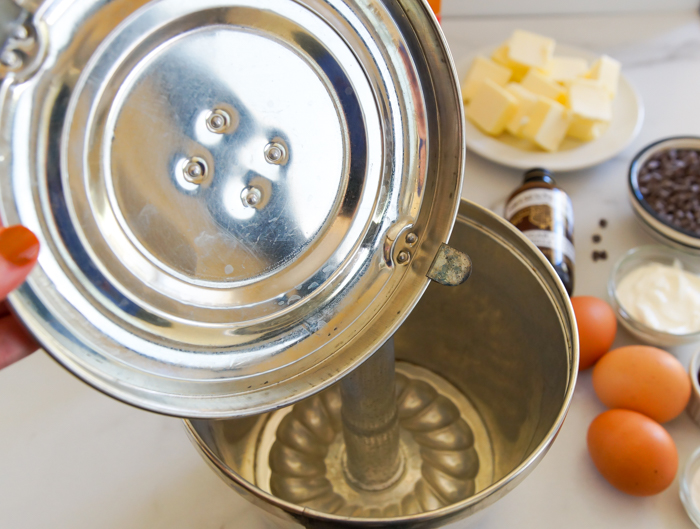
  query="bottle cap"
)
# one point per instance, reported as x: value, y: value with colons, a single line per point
x: 538, y: 175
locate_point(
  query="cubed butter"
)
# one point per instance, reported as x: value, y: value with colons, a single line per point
x: 526, y: 100
x: 564, y: 69
x: 548, y: 122
x: 607, y: 71
x: 518, y: 70
x: 538, y: 84
x: 589, y: 99
x: 530, y: 49
x: 480, y: 70
x: 585, y: 129
x: 491, y: 107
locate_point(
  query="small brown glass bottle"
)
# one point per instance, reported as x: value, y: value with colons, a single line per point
x: 544, y: 214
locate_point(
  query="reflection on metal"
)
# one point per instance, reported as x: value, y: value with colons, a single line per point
x: 442, y: 439
x: 450, y: 267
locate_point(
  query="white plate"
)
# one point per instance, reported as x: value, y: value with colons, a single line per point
x: 628, y: 114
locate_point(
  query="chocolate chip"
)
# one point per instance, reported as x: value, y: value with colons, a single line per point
x: 670, y: 184
x: 603, y: 223
x: 596, y: 238
x: 602, y: 255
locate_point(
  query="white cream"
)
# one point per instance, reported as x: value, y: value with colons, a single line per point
x: 665, y: 298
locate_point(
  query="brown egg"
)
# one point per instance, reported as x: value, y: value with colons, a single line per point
x: 644, y: 379
x: 597, y: 326
x: 635, y: 454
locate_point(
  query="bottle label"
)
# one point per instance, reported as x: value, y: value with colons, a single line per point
x: 546, y: 217
x: 551, y: 239
x: 555, y: 199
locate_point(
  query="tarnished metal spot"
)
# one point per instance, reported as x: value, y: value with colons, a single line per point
x: 450, y: 267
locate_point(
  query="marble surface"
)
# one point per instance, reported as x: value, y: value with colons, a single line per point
x: 534, y: 7
x: 73, y: 458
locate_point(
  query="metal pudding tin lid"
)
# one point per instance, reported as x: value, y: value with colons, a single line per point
x: 238, y: 200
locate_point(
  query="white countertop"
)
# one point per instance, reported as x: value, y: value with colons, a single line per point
x: 73, y: 458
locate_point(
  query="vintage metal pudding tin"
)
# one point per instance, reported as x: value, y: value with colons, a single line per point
x: 238, y: 200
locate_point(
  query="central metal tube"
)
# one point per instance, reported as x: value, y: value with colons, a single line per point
x: 371, y: 422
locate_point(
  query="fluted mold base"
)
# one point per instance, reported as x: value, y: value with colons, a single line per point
x: 446, y: 448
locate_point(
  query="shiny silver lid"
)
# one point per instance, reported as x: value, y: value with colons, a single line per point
x: 238, y: 200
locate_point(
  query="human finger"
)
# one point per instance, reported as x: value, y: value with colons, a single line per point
x: 15, y: 341
x: 19, y: 249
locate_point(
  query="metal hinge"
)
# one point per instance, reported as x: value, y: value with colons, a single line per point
x: 450, y: 267
x: 19, y: 40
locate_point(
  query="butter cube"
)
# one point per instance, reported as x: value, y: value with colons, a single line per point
x: 518, y: 70
x: 480, y: 70
x: 585, y: 129
x: 526, y: 100
x: 491, y: 107
x: 565, y: 69
x: 607, y: 71
x: 538, y: 84
x: 548, y: 123
x: 530, y: 49
x: 589, y: 99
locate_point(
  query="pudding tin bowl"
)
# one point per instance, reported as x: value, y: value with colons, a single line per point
x: 506, y: 340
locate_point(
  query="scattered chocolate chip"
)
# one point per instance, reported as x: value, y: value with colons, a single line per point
x: 596, y: 238
x: 603, y: 223
x: 670, y: 184
x: 600, y: 256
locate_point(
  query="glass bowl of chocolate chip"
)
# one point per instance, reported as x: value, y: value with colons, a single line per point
x: 664, y: 188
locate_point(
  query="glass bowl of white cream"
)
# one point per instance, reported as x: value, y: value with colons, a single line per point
x: 690, y: 487
x: 655, y: 291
